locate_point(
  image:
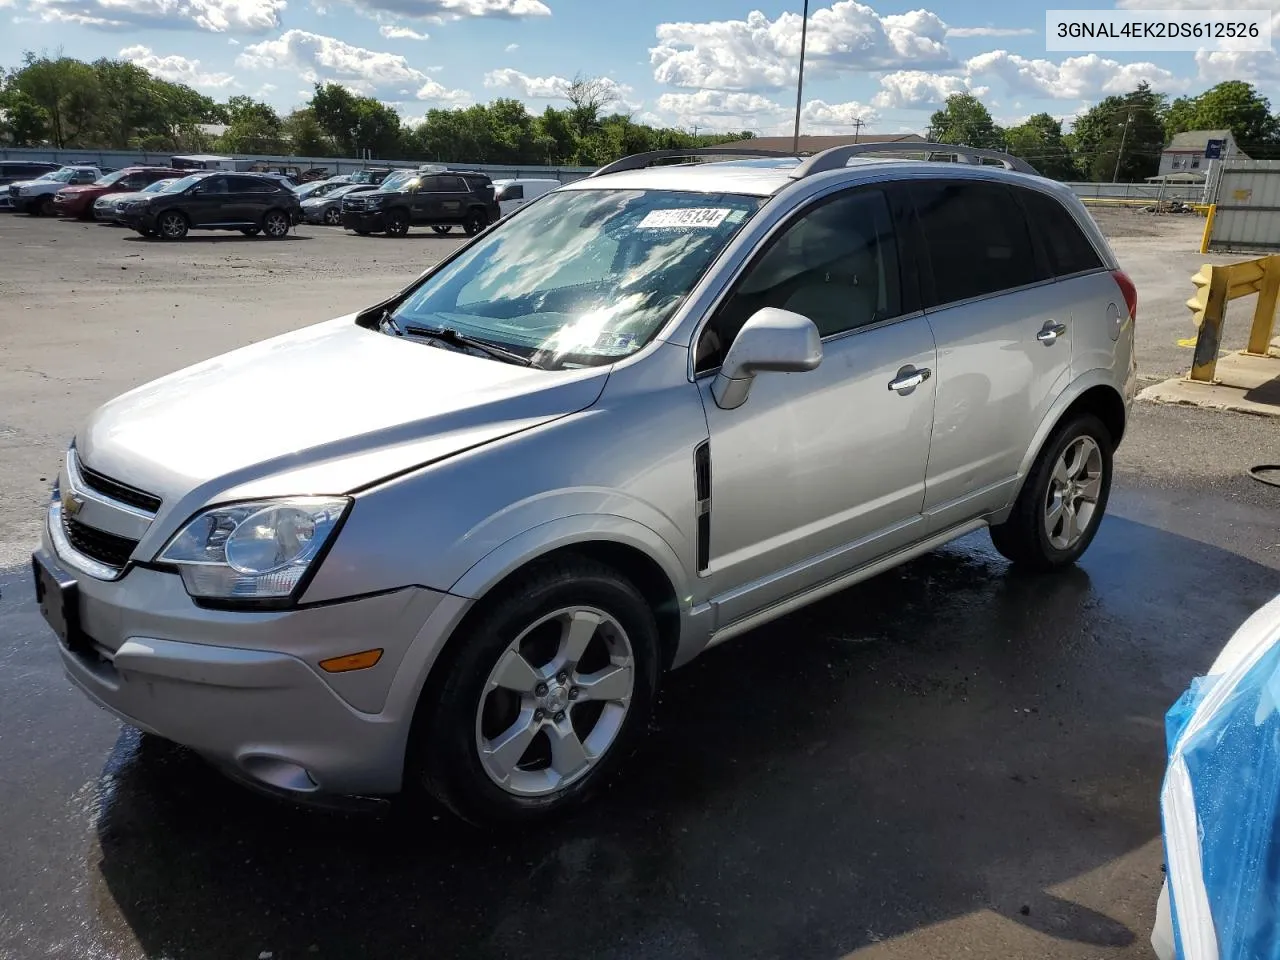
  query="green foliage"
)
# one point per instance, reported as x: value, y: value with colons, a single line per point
x: 1121, y: 138
x: 964, y: 120
x: 1233, y: 105
x: 254, y: 128
x: 1039, y: 141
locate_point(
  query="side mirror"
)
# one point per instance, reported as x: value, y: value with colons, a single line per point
x: 772, y: 340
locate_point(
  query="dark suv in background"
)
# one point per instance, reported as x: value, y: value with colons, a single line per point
x: 215, y: 200
x: 439, y: 200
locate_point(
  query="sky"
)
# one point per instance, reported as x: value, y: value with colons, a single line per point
x: 712, y: 65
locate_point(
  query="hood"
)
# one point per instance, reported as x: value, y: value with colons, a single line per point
x: 327, y: 409
x: 118, y: 197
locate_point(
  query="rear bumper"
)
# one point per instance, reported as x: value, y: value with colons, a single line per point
x: 372, y: 222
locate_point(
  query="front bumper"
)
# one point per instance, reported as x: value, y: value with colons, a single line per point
x: 105, y: 214
x: 244, y: 687
x: 312, y: 215
x: 370, y: 220
x: 71, y: 207
x: 24, y: 204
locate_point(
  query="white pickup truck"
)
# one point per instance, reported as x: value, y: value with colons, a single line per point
x: 36, y: 196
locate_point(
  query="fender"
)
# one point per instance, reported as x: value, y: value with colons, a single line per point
x: 1097, y: 377
x: 565, y: 532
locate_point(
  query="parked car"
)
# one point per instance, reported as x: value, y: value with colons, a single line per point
x: 213, y: 200
x: 107, y: 208
x: 514, y: 194
x: 657, y: 409
x: 20, y: 171
x: 374, y: 175
x: 78, y: 201
x: 327, y: 208
x: 321, y: 188
x: 439, y: 200
x: 36, y: 196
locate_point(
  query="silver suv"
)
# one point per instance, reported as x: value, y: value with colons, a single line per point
x: 450, y: 544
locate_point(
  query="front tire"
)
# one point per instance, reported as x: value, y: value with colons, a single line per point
x: 48, y: 208
x: 541, y: 698
x: 172, y: 226
x: 397, y: 223
x: 1062, y: 502
x: 442, y: 228
x: 332, y: 217
x: 275, y: 225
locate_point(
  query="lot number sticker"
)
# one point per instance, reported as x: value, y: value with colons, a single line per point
x: 698, y: 217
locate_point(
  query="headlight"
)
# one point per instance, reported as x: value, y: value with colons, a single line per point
x: 374, y: 201
x: 253, y: 551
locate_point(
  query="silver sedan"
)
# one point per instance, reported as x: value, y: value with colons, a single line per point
x: 328, y: 209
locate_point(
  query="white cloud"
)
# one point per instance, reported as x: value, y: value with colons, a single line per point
x: 761, y: 54
x: 401, y: 33
x: 438, y: 93
x: 441, y: 10
x: 818, y: 116
x: 315, y: 57
x: 512, y: 47
x: 216, y: 16
x: 1255, y: 66
x: 549, y: 88
x: 1074, y: 78
x: 916, y: 90
x: 991, y: 31
x: 176, y: 69
x: 233, y: 41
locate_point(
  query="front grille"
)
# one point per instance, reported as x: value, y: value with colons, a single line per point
x: 97, y: 544
x: 119, y: 491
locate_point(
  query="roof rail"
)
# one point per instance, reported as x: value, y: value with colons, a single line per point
x: 638, y: 161
x: 839, y: 157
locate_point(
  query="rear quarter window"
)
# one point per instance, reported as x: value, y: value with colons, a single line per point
x: 1067, y: 246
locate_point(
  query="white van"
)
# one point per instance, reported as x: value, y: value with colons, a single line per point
x: 514, y: 194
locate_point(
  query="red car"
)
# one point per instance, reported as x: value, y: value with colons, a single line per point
x: 78, y: 201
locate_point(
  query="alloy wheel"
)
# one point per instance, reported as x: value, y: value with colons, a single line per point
x: 275, y: 225
x: 173, y: 226
x: 1074, y: 489
x: 555, y: 701
x: 332, y: 216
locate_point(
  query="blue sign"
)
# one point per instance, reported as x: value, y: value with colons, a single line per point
x: 1213, y: 149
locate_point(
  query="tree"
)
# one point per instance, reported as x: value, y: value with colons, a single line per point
x: 1232, y: 105
x: 66, y: 90
x: 1039, y: 142
x: 304, y: 134
x: 23, y: 123
x: 587, y: 97
x: 1122, y: 137
x: 356, y: 123
x: 964, y: 120
x: 254, y: 127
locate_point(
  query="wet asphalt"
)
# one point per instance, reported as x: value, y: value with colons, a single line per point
x: 950, y: 759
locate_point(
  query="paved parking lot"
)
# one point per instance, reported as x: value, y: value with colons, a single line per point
x: 949, y: 760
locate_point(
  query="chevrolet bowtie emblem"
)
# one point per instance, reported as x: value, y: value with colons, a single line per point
x: 72, y: 504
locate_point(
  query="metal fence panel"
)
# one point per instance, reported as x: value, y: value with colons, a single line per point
x: 1246, y: 194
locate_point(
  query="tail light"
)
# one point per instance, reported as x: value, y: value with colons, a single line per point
x: 1129, y: 290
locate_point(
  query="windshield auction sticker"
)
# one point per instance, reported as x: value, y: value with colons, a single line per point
x: 1156, y: 31
x: 697, y: 217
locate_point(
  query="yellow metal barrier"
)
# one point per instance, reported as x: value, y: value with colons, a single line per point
x: 1217, y: 284
x: 1208, y: 228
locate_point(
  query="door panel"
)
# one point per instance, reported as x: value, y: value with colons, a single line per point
x: 815, y: 461
x: 821, y: 471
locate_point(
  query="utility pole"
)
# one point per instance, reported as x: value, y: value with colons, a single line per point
x: 1124, y: 133
x: 858, y: 124
x: 804, y: 35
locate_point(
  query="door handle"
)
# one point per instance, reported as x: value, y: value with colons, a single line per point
x: 909, y: 378
x: 1051, y: 332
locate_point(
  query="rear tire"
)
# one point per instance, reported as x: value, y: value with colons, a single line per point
x: 397, y: 223
x: 572, y: 622
x: 1063, y: 499
x: 475, y: 222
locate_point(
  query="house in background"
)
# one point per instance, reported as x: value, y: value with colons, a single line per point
x: 816, y: 144
x: 1186, y: 152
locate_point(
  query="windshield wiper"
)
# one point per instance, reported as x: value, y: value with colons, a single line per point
x: 387, y: 320
x: 454, y: 338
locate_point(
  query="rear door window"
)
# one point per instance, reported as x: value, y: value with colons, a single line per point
x: 1068, y: 248
x: 451, y: 185
x: 976, y: 238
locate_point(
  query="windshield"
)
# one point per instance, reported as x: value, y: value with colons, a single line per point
x: 111, y: 178
x: 157, y: 187
x: 344, y: 189
x: 60, y: 176
x: 177, y: 186
x: 584, y: 277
